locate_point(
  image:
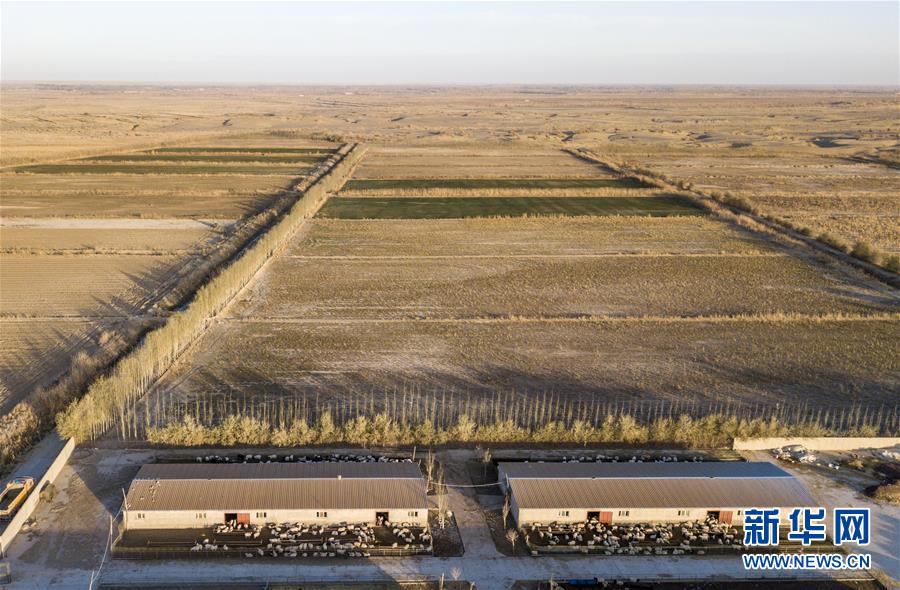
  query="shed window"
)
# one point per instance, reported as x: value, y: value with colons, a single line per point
x: 139, y: 515
x: 684, y: 513
x: 261, y: 515
x: 201, y: 515
x: 624, y: 512
x: 413, y: 513
x: 564, y: 513
x: 740, y: 512
x: 321, y: 515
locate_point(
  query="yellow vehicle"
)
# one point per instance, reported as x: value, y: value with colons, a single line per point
x: 13, y: 495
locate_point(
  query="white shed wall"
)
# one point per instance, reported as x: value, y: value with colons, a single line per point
x: 635, y: 515
x: 183, y: 519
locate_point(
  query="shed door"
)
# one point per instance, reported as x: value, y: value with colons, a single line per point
x: 606, y: 518
x: 243, y: 518
x: 725, y: 516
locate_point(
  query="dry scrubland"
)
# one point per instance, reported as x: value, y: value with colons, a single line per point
x: 93, y: 256
x: 849, y: 200
x: 824, y: 160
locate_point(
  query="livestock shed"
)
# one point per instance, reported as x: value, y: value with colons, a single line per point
x: 172, y: 496
x: 646, y: 492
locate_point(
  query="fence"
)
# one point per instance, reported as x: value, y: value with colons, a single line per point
x: 27, y: 508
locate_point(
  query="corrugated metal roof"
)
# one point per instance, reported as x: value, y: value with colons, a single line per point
x: 323, y: 470
x: 277, y: 486
x: 734, y: 469
x: 691, y: 492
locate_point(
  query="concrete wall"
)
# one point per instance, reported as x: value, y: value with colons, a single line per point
x: 822, y: 443
x: 27, y: 508
x: 191, y: 519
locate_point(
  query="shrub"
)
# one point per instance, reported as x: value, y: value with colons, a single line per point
x: 892, y: 263
x: 830, y: 240
x: 865, y: 251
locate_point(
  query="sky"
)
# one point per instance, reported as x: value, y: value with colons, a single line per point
x: 784, y: 43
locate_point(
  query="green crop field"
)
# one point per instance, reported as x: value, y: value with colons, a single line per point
x: 489, y: 183
x: 463, y: 207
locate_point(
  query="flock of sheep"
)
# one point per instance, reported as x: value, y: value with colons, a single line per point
x: 601, y: 458
x: 634, y: 539
x: 305, y: 540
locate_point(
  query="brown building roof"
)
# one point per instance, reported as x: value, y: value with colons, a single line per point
x: 323, y: 470
x: 679, y: 470
x: 277, y: 486
x: 655, y: 485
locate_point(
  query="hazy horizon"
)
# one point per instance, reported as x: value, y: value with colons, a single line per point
x: 800, y: 44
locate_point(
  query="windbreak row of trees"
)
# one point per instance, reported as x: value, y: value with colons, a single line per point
x: 109, y: 395
x: 713, y: 430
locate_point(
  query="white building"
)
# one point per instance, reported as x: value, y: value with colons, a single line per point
x: 169, y: 496
x: 647, y: 492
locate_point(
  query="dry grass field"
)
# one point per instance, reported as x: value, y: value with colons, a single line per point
x: 564, y: 236
x: 80, y: 286
x: 473, y: 163
x: 35, y: 352
x: 557, y: 286
x: 854, y: 201
x: 828, y: 363
x: 91, y: 250
x: 131, y: 236
x: 413, y: 292
x: 588, y: 309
